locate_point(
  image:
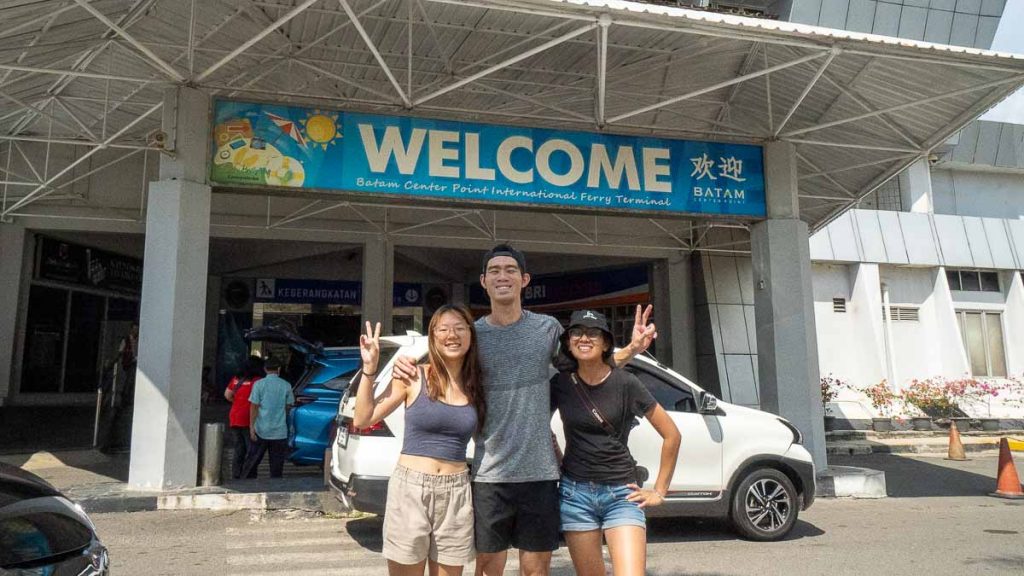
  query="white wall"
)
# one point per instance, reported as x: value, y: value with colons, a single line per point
x: 977, y: 193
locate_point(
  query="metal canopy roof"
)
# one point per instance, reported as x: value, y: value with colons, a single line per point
x: 859, y: 107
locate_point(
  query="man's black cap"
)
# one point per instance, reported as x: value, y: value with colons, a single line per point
x: 505, y: 250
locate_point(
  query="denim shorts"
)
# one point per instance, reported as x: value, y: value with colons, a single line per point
x: 588, y: 506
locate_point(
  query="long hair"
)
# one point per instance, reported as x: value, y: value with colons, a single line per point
x: 440, y: 379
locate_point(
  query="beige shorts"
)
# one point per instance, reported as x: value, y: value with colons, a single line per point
x: 429, y: 516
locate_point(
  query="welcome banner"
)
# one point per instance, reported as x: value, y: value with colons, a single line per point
x: 286, y: 146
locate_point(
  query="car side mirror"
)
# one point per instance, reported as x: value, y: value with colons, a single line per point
x: 708, y: 403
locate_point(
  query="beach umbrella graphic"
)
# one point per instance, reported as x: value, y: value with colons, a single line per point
x: 288, y: 127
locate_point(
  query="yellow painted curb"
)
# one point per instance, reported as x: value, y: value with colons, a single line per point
x: 1015, y: 444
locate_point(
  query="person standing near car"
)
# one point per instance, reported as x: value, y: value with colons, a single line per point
x: 269, y: 402
x: 600, y: 493
x: 515, y: 473
x: 237, y: 392
x: 429, y: 510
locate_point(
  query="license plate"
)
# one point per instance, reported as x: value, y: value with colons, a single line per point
x: 343, y: 437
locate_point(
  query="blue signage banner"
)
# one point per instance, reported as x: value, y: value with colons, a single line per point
x: 287, y: 146
x: 292, y: 291
x: 407, y: 294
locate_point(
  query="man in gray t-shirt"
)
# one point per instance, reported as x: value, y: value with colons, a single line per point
x: 515, y: 473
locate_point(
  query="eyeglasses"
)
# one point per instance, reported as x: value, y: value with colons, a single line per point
x: 459, y: 330
x: 591, y: 333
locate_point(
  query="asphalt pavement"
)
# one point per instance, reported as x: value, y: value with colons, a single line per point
x: 938, y: 520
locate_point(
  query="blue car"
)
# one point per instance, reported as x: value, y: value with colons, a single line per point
x: 319, y: 377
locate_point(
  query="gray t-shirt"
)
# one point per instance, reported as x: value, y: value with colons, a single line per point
x: 515, y: 444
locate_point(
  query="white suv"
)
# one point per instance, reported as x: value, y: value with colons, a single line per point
x: 734, y: 462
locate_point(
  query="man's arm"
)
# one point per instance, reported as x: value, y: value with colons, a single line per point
x: 643, y: 335
x: 254, y: 412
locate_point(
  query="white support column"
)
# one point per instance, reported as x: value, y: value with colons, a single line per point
x: 869, y: 330
x: 12, y: 247
x: 949, y: 357
x: 378, y: 281
x: 784, y: 307
x: 165, y: 434
x: 916, y: 187
x: 1013, y: 323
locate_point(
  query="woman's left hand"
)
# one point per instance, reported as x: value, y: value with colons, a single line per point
x: 645, y: 497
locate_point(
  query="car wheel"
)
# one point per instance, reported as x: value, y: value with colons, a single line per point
x: 764, y: 505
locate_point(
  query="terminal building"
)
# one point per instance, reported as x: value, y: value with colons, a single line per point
x: 797, y: 192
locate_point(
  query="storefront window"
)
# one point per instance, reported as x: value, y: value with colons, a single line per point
x: 44, y: 340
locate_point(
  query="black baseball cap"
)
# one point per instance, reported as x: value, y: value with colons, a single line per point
x: 590, y: 319
x: 505, y: 250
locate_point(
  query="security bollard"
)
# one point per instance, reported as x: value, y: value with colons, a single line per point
x: 213, y: 446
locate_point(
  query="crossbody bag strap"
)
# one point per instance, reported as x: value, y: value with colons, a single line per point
x: 589, y: 405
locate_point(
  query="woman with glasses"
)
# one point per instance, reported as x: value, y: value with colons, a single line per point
x: 429, y: 510
x: 600, y: 492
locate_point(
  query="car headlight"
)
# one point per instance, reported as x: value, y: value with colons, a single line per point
x: 798, y: 438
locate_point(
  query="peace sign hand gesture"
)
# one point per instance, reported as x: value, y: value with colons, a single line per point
x: 643, y: 332
x: 369, y: 348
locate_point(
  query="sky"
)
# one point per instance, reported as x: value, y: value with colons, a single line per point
x: 1009, y: 39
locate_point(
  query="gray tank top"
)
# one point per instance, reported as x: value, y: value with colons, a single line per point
x: 436, y: 429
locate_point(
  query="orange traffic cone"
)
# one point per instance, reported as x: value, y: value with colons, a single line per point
x: 956, y: 447
x: 1007, y: 483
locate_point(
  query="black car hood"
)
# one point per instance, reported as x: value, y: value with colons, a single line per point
x: 280, y: 335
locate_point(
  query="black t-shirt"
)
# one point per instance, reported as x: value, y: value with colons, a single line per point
x: 590, y: 453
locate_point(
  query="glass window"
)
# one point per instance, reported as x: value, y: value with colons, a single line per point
x: 983, y: 340
x: 975, y: 342
x: 85, y: 329
x: 44, y: 340
x: 997, y: 359
x: 953, y: 277
x: 990, y: 281
x: 969, y: 281
x: 670, y: 397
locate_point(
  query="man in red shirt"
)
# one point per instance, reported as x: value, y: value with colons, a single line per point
x: 237, y: 393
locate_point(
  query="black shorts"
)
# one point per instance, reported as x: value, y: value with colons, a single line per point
x: 521, y: 515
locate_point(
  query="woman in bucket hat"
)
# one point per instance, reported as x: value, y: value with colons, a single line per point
x: 600, y: 491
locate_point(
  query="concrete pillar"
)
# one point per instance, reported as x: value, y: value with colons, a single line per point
x: 674, y: 315
x: 916, y: 187
x: 784, y: 306
x: 378, y: 282
x: 12, y: 248
x: 165, y: 435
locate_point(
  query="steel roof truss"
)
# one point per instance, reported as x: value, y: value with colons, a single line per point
x: 252, y: 41
x: 39, y: 193
x: 905, y: 105
x: 506, y: 63
x: 376, y: 53
x: 154, y: 59
x: 720, y: 85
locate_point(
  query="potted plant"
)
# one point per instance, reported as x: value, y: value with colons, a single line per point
x: 984, y: 391
x: 830, y: 386
x: 941, y: 398
x: 883, y: 399
x: 923, y: 396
